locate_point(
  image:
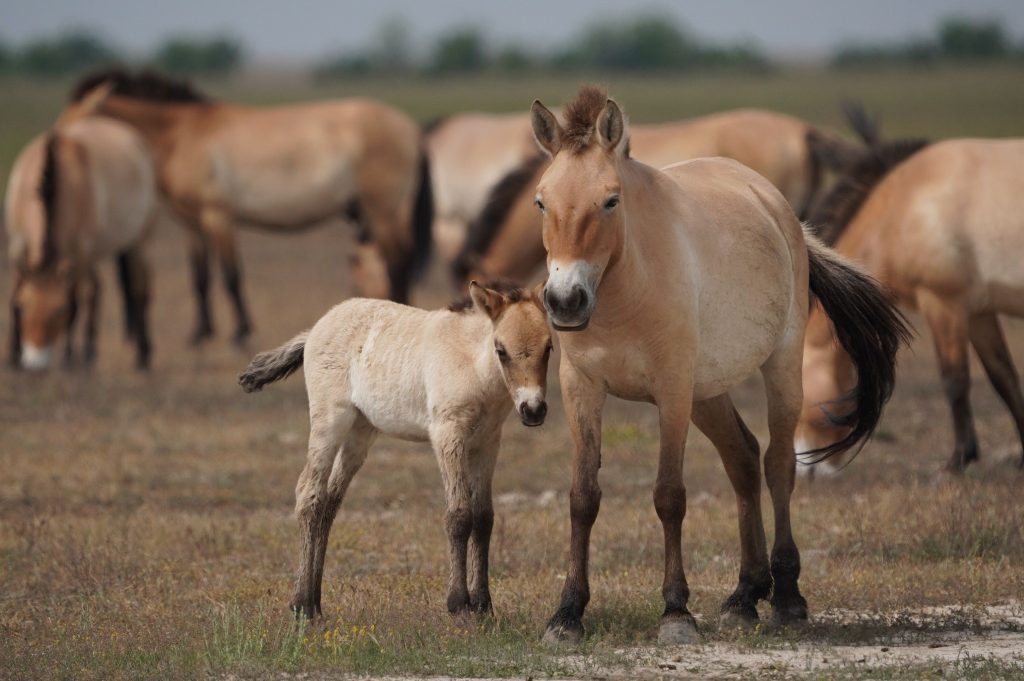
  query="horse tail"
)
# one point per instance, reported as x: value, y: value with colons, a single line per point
x: 274, y: 365
x: 863, y: 125
x: 870, y: 330
x: 422, y: 219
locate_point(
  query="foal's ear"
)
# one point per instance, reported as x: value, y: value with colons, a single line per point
x: 546, y: 129
x: 488, y: 301
x: 611, y: 126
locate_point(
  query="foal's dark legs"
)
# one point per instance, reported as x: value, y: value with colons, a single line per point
x: 481, y: 505
x: 987, y: 338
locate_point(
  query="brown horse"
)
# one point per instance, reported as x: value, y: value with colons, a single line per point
x: 670, y: 287
x: 942, y: 226
x: 504, y: 239
x: 280, y: 168
x: 78, y: 194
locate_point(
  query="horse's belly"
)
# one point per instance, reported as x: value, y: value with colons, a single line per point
x: 397, y: 413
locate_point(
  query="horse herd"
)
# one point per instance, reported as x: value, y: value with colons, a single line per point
x: 664, y: 286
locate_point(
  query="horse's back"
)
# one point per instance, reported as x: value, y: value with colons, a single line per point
x: 750, y: 267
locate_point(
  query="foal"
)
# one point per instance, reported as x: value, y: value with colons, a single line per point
x: 442, y: 376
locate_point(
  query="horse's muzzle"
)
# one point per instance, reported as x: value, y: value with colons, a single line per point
x: 570, y: 311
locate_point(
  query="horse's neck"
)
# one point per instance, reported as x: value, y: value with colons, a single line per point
x: 157, y: 122
x: 473, y: 331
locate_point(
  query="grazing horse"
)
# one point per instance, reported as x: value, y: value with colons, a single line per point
x: 942, y: 226
x: 469, y: 153
x: 443, y: 376
x: 504, y: 240
x: 280, y: 168
x: 77, y: 194
x: 670, y: 287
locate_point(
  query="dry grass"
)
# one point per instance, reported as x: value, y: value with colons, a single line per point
x: 146, y: 529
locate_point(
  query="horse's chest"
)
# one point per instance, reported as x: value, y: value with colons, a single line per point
x: 626, y: 371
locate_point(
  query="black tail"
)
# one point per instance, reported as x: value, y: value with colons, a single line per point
x: 124, y: 277
x: 869, y: 328
x: 273, y: 365
x: 423, y: 220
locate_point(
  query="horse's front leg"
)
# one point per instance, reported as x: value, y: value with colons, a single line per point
x: 583, y: 401
x: 482, y: 473
x: 677, y: 624
x: 449, y: 442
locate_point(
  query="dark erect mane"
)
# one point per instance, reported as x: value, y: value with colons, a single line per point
x: 581, y: 116
x: 839, y: 206
x: 486, y: 226
x: 48, y: 191
x: 146, y: 84
x: 514, y: 293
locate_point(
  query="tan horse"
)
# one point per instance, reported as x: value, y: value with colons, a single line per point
x: 504, y: 239
x: 942, y: 226
x: 469, y: 153
x: 280, y: 168
x: 670, y: 287
x: 78, y: 194
x: 444, y: 377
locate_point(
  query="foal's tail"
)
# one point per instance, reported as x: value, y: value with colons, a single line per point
x: 273, y: 365
x: 869, y: 328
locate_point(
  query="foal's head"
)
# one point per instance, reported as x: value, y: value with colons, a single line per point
x: 522, y: 345
x: 580, y: 197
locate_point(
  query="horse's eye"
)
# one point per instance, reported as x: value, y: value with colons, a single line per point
x: 502, y: 354
x: 611, y: 202
x: 539, y: 204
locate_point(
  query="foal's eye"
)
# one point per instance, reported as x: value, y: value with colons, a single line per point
x: 539, y: 204
x: 502, y: 354
x: 611, y: 202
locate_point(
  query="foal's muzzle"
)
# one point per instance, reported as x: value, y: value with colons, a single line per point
x: 532, y: 415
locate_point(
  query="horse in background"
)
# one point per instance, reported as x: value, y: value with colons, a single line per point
x: 504, y: 239
x: 670, y: 287
x: 279, y: 168
x: 941, y: 225
x: 78, y: 193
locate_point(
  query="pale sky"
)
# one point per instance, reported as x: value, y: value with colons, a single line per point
x: 302, y: 30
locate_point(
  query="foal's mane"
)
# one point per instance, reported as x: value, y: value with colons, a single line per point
x: 486, y: 226
x: 48, y: 191
x: 146, y: 84
x: 514, y: 293
x: 580, y: 117
x: 841, y: 203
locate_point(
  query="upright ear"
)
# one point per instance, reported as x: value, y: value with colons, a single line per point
x: 537, y: 293
x: 89, y: 104
x: 488, y: 301
x: 546, y: 128
x: 611, y: 127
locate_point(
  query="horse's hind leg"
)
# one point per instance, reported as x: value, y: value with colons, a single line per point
x: 338, y: 442
x: 717, y: 418
x: 482, y: 509
x: 948, y: 322
x: 199, y: 259
x: 218, y: 226
x: 987, y: 338
x: 783, y: 385
x: 15, y: 338
x: 92, y: 313
x: 69, y: 336
x: 137, y: 280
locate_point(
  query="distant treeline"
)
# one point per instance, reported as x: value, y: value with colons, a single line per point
x: 648, y: 43
x: 76, y: 50
x: 956, y: 39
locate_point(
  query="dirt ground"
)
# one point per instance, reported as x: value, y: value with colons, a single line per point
x: 146, y: 529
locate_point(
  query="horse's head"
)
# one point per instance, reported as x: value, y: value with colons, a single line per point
x: 581, y: 199
x: 522, y: 345
x: 43, y: 299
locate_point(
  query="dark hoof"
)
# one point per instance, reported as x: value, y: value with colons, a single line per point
x: 201, y: 335
x: 306, y: 611
x: 242, y: 336
x: 791, y: 614
x: 564, y: 630
x: 481, y: 606
x: 738, y: 616
x: 678, y: 630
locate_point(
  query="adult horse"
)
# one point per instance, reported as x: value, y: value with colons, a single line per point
x: 469, y: 153
x: 78, y: 194
x: 942, y: 226
x: 670, y: 287
x: 504, y: 239
x: 280, y: 168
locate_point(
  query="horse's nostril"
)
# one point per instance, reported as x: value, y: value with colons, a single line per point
x: 542, y: 410
x: 581, y: 302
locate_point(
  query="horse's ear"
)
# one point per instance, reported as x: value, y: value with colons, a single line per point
x: 611, y: 126
x: 89, y: 104
x: 546, y: 128
x: 488, y: 301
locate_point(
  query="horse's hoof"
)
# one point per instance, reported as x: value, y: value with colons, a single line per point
x: 564, y: 634
x: 241, y: 338
x: 791, y: 615
x: 305, y: 611
x: 736, y: 618
x: 201, y: 335
x: 678, y: 630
